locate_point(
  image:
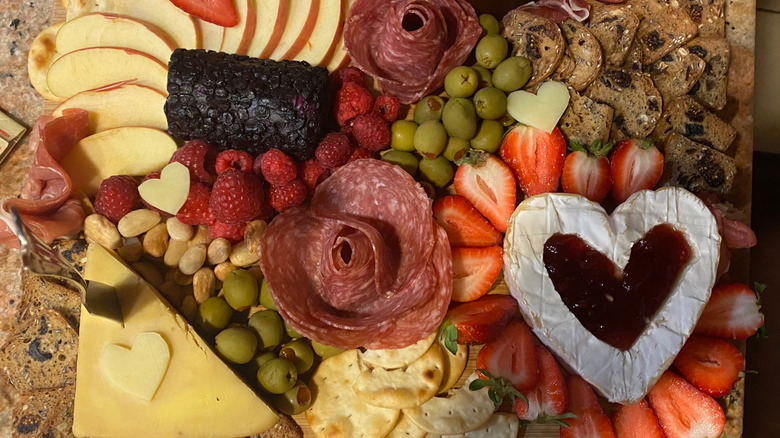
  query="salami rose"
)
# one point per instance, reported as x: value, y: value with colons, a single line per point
x: 410, y: 45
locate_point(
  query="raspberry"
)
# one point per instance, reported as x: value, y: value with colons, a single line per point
x: 333, y: 150
x: 312, y: 173
x: 153, y: 175
x: 287, y: 196
x: 277, y: 167
x: 371, y: 132
x: 352, y: 100
x: 387, y: 106
x: 358, y: 153
x: 200, y: 158
x: 233, y: 159
x: 195, y: 210
x: 352, y: 75
x: 116, y: 197
x: 232, y: 232
x: 236, y: 197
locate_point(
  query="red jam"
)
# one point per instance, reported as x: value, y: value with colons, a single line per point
x: 616, y: 307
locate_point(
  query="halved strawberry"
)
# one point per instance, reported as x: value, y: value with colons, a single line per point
x: 731, y: 313
x: 220, y: 12
x: 480, y: 321
x: 635, y: 165
x: 512, y: 356
x: 488, y: 184
x: 683, y: 410
x: 636, y: 421
x: 547, y: 401
x: 710, y: 364
x: 535, y: 157
x: 463, y: 223
x: 474, y: 270
x: 586, y: 171
x: 590, y: 421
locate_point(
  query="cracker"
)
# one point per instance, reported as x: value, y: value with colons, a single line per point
x: 499, y: 425
x: 696, y: 167
x: 44, y: 413
x: 397, y: 358
x: 615, y: 29
x: 585, y: 120
x: 405, y: 428
x: 583, y: 55
x: 538, y: 39
x: 454, y: 365
x: 336, y: 411
x: 41, y: 293
x: 41, y: 353
x: 710, y: 89
x: 662, y: 28
x: 676, y: 73
x: 403, y: 387
x: 636, y: 101
x: 687, y: 117
x: 464, y: 411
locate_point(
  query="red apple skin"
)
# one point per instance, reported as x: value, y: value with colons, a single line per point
x: 276, y: 36
x: 308, y: 28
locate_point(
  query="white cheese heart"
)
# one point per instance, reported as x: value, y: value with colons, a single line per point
x: 620, y: 376
x: 170, y: 191
x: 138, y: 370
x: 541, y: 110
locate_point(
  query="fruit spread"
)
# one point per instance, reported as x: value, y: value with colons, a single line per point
x: 616, y: 310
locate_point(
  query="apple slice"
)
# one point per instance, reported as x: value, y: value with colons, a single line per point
x: 211, y: 35
x: 301, y: 18
x: 236, y: 39
x: 339, y: 59
x: 128, y: 150
x: 99, y: 29
x: 271, y: 21
x: 119, y: 105
x: 95, y: 67
x: 181, y: 26
x: 43, y: 52
x: 319, y: 48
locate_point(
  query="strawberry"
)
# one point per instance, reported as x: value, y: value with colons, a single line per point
x: 463, y: 223
x: 590, y: 421
x: 710, y: 364
x: 219, y: 12
x: 535, y: 157
x: 511, y: 356
x: 546, y: 401
x: 586, y: 171
x: 487, y: 183
x: 731, y: 313
x: 636, y: 421
x: 474, y: 270
x: 480, y: 321
x: 683, y: 410
x: 635, y: 165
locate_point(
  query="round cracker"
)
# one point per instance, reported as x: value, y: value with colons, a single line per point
x: 499, y: 425
x: 454, y: 365
x: 43, y: 52
x: 402, y: 388
x: 336, y: 411
x: 463, y: 412
x: 405, y: 428
x: 397, y: 358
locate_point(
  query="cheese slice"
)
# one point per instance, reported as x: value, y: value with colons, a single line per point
x: 199, y: 395
x: 621, y: 376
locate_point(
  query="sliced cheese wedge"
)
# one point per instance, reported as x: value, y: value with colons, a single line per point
x: 199, y: 396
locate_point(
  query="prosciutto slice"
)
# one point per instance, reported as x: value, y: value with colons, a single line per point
x: 46, y: 204
x: 365, y: 265
x: 559, y: 10
x: 410, y: 45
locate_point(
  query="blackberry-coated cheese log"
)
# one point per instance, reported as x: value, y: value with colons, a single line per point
x: 251, y: 104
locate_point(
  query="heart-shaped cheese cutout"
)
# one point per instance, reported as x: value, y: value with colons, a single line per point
x: 621, y: 376
x: 140, y: 369
x: 541, y: 110
x: 170, y: 191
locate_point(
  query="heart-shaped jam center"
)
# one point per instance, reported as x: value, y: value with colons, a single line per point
x: 616, y: 306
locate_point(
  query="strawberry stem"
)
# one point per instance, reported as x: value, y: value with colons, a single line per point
x: 448, y: 334
x: 499, y: 388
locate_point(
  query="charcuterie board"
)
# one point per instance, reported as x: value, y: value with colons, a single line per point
x: 740, y: 29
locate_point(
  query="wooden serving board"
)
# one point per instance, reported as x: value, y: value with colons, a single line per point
x: 740, y: 31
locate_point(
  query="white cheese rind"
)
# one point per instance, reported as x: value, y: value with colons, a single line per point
x: 620, y: 376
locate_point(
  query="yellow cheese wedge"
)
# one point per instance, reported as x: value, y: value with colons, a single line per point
x: 199, y: 396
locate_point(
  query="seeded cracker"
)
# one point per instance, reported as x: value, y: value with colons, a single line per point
x: 536, y: 38
x: 44, y: 413
x: 583, y: 53
x: 615, y: 29
x: 636, y: 101
x: 687, y: 117
x: 335, y: 411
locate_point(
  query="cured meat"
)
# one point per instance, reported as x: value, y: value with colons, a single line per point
x: 410, y: 45
x: 46, y: 205
x: 365, y: 265
x: 559, y: 10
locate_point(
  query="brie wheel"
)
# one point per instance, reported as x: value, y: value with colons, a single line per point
x: 620, y: 376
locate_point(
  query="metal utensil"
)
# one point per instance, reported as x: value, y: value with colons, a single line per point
x: 38, y: 258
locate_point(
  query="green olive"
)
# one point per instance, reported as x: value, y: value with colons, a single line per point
x: 402, y: 135
x: 303, y: 354
x: 214, y: 314
x: 461, y: 81
x: 491, y: 50
x: 512, y: 73
x: 277, y: 376
x: 324, y: 351
x: 236, y: 344
x: 490, y: 103
x: 455, y: 149
x: 268, y: 326
x: 295, y: 400
x: 260, y: 359
x: 430, y: 139
x: 437, y: 171
x: 428, y: 108
x: 406, y: 160
x: 240, y: 289
x: 291, y: 332
x: 489, y: 24
x: 485, y: 76
x: 488, y: 137
x: 459, y: 119
x: 265, y: 296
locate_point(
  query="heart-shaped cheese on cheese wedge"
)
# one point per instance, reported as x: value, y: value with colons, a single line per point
x: 620, y: 375
x: 140, y: 369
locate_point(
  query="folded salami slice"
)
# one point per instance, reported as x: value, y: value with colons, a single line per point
x: 365, y: 265
x: 410, y: 45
